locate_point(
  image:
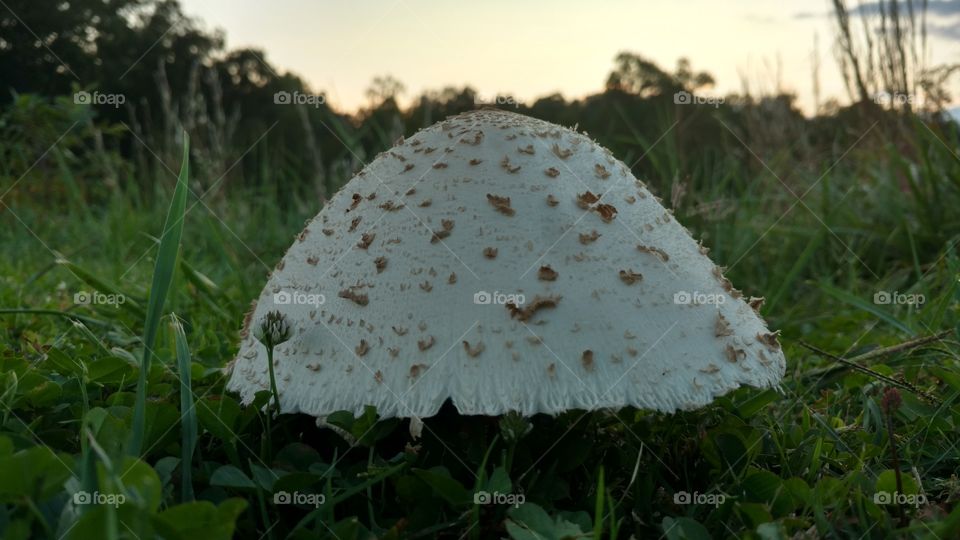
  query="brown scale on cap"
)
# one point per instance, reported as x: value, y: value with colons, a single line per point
x: 601, y: 171
x: 425, y: 203
x: 391, y: 206
x: 505, y: 164
x: 426, y: 286
x: 477, y: 139
x: 552, y: 201
x: 733, y: 354
x: 410, y: 192
x: 586, y: 359
x: 490, y: 252
x: 380, y: 263
x: 378, y: 376
x: 630, y: 277
x: 452, y: 279
x: 355, y: 297
x: 476, y: 161
x: 327, y: 232
x: 313, y: 260
x: 362, y: 348
x: 447, y: 225
x: 416, y: 369
x: 528, y: 149
x: 501, y: 204
x: 547, y: 274
x: 661, y: 254
x: 552, y: 172
x: 607, y: 212
x: 247, y: 319
x: 585, y: 200
x: 399, y: 331
x: 353, y: 224
x: 725, y: 283
x: 722, y: 326
x: 562, y: 153
x: 756, y: 302
x: 303, y: 235
x: 475, y: 350
x: 589, y: 238
x: 770, y: 340
x: 407, y: 167
x: 365, y: 240
x: 439, y: 165
x: 356, y: 200
x: 424, y: 344
x: 528, y: 311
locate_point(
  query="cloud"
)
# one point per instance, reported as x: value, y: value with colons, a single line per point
x: 940, y: 8
x: 949, y: 31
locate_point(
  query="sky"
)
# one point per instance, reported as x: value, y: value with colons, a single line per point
x: 532, y: 48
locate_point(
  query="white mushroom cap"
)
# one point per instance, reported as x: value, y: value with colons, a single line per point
x: 384, y: 289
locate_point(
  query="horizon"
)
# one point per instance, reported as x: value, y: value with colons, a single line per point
x: 795, y: 37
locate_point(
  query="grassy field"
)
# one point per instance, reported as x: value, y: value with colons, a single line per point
x: 855, y: 250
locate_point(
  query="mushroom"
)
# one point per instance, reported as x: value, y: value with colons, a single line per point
x: 587, y: 305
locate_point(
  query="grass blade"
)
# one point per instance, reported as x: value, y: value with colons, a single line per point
x: 188, y: 413
x: 162, y: 279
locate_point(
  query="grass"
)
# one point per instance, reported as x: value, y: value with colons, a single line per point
x: 86, y: 413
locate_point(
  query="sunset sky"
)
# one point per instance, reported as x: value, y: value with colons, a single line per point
x: 534, y: 48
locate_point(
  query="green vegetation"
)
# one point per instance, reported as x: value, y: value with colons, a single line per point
x: 847, y: 223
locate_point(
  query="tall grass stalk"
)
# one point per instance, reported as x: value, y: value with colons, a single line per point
x: 162, y: 279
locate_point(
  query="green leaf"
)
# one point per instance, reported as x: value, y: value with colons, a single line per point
x: 684, y: 528
x: 35, y: 472
x: 201, y: 519
x: 162, y: 279
x: 230, y: 476
x: 530, y: 522
x: 444, y: 485
x: 887, y: 482
x: 138, y: 481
